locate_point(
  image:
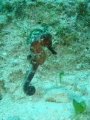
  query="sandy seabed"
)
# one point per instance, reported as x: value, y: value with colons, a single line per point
x: 70, y: 29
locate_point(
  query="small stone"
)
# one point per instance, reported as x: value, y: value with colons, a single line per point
x: 57, y: 95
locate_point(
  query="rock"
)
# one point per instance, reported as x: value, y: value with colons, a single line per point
x: 57, y: 95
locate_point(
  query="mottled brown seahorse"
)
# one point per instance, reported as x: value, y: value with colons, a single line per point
x: 37, y: 58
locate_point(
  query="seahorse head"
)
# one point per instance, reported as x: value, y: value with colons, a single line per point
x: 46, y: 40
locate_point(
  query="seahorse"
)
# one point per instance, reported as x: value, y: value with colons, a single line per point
x: 37, y: 58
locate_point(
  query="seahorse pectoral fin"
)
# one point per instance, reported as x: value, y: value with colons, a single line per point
x: 51, y: 49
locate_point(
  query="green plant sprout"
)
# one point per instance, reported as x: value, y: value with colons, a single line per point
x: 60, y: 75
x: 79, y: 107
